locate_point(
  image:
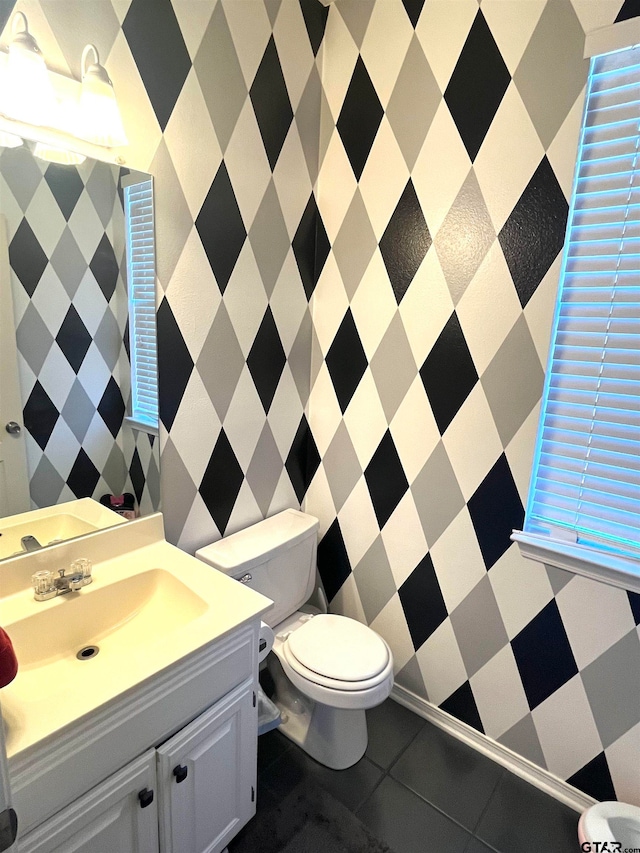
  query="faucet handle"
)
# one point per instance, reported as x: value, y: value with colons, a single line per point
x: 43, y: 585
x: 83, y: 566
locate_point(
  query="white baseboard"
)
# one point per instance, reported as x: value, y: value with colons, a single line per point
x: 522, y: 767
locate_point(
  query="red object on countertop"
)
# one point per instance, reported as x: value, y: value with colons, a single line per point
x: 8, y: 660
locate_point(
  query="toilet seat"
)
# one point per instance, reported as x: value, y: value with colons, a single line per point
x: 337, y: 651
x: 326, y: 681
x: 336, y: 693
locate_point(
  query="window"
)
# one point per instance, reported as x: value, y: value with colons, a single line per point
x: 141, y: 279
x: 583, y: 511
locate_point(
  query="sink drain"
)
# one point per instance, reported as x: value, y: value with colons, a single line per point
x: 88, y: 652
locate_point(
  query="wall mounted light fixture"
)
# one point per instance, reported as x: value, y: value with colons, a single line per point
x: 99, y: 111
x: 28, y: 93
x: 67, y: 119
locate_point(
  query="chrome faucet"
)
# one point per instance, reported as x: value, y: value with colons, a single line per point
x: 46, y: 585
x: 30, y: 543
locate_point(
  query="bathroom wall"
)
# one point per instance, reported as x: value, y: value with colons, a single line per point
x: 221, y: 104
x: 446, y: 145
x: 447, y: 150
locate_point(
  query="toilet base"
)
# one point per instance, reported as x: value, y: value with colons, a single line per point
x: 334, y: 737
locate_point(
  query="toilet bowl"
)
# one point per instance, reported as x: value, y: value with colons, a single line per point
x: 617, y: 824
x: 327, y: 669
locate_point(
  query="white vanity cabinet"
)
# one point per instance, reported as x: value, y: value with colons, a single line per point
x: 190, y: 792
x: 171, y: 687
x: 191, y: 795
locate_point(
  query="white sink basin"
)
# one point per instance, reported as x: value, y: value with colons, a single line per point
x: 121, y: 616
x: 55, y: 524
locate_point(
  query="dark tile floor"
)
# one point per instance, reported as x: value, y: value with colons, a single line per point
x: 418, y: 789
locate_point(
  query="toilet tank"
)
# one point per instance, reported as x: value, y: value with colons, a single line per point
x: 277, y: 557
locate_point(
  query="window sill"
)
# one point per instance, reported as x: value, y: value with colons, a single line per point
x: 591, y: 563
x: 141, y: 425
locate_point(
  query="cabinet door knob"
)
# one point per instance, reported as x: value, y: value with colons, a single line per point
x: 146, y: 798
x: 180, y: 772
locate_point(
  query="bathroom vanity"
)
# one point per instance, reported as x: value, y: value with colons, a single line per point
x: 150, y: 743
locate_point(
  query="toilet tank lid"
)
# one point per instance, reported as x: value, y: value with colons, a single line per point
x: 256, y: 544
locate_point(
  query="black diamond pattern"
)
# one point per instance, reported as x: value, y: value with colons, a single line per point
x: 359, y: 118
x: 40, y: 415
x: 271, y: 103
x: 634, y: 602
x: 266, y: 360
x: 73, y: 338
x: 448, y: 373
x: 137, y: 475
x: 405, y: 242
x: 125, y: 340
x: 156, y: 42
x: 534, y: 233
x: 462, y: 705
x: 346, y: 361
x: 122, y: 173
x: 311, y: 245
x: 221, y: 228
x: 333, y: 562
x: 83, y: 477
x: 105, y: 267
x: 422, y: 602
x: 303, y: 460
x: 496, y: 511
x: 174, y: 364
x: 111, y: 407
x: 629, y: 9
x: 477, y: 86
x: 543, y: 655
x: 386, y: 479
x: 315, y: 19
x: 595, y: 779
x: 221, y: 482
x: 413, y: 9
x: 66, y: 185
x: 27, y: 257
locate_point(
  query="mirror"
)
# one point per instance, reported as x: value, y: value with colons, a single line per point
x: 63, y: 268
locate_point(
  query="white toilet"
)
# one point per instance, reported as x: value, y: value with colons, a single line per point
x: 327, y: 669
x: 616, y: 823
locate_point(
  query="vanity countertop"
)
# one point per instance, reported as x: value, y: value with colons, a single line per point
x: 150, y: 605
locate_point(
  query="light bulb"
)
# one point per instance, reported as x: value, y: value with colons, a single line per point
x: 99, y: 112
x: 29, y: 94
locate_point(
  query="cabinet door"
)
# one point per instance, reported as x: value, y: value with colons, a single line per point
x: 207, y: 776
x: 120, y: 814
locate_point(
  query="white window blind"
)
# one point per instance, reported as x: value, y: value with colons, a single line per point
x: 585, y: 485
x: 141, y: 273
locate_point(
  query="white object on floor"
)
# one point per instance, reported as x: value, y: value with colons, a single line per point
x: 268, y: 713
x: 612, y: 822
